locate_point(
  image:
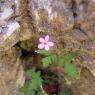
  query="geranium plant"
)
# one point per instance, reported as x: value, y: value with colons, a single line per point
x: 50, y: 57
x: 52, y: 54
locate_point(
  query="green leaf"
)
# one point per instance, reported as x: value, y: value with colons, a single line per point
x: 64, y: 93
x: 36, y: 81
x: 31, y: 92
x: 62, y: 62
x: 59, y: 50
x: 71, y: 70
x: 45, y: 53
x: 70, y: 56
x: 32, y: 85
x: 35, y: 74
x: 46, y: 61
x: 53, y: 58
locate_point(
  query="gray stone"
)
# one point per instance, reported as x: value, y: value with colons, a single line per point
x: 9, y: 35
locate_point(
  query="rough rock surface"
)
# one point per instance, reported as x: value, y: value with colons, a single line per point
x: 11, y: 72
x: 9, y: 27
x: 84, y: 86
x: 70, y: 23
x: 51, y: 15
x: 75, y: 32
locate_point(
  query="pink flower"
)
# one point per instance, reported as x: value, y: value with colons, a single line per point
x: 45, y: 43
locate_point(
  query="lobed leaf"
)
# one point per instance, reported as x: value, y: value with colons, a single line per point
x: 36, y: 81
x: 71, y: 70
x: 53, y: 58
x: 62, y: 62
x: 46, y: 61
x: 70, y: 56
x: 45, y: 53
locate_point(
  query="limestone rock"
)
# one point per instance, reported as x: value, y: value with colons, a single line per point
x: 9, y: 83
x: 9, y: 35
x: 10, y: 55
x: 20, y: 7
x: 51, y: 15
x: 16, y: 5
x: 85, y: 11
x: 7, y: 12
x: 70, y: 24
x: 84, y: 86
x: 29, y: 45
x: 7, y: 28
x: 79, y: 35
x: 89, y: 30
x: 11, y: 72
x: 26, y: 28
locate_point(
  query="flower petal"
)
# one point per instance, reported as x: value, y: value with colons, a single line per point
x: 41, y: 46
x: 47, y: 38
x: 51, y: 44
x: 46, y: 47
x: 42, y: 40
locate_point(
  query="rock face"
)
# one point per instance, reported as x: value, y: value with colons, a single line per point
x: 70, y: 24
x: 51, y: 15
x: 8, y: 28
x: 11, y: 72
x: 9, y: 35
x: 85, y: 86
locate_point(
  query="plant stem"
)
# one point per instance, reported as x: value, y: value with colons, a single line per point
x: 42, y: 89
